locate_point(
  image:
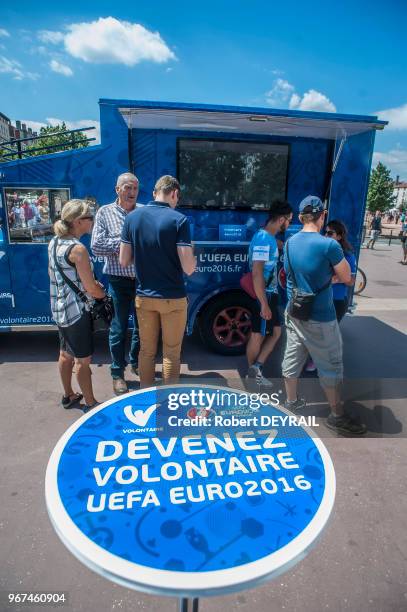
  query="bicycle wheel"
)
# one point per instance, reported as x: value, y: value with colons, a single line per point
x: 360, y: 282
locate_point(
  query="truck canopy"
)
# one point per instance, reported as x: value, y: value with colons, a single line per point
x: 242, y: 120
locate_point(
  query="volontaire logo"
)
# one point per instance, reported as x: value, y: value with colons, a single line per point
x: 139, y: 417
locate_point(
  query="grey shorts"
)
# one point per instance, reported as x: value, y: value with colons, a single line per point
x: 321, y: 340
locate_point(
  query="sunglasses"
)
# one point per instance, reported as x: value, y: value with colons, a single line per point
x: 330, y: 233
x: 90, y: 217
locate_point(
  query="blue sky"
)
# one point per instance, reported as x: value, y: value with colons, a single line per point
x: 57, y: 60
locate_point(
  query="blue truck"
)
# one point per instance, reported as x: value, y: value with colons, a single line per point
x: 232, y: 162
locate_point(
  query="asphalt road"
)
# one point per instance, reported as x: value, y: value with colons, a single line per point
x: 359, y: 564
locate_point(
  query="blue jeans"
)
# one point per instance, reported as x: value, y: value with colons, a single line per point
x: 122, y: 289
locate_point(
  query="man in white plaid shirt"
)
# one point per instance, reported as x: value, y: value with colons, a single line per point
x: 122, y: 285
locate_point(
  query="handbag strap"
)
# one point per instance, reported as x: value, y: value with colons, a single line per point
x: 293, y: 275
x: 66, y: 278
x: 289, y: 265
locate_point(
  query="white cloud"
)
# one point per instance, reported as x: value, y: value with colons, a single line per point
x: 397, y: 117
x: 60, y: 68
x: 110, y: 41
x: 283, y: 93
x: 395, y: 159
x: 48, y: 36
x: 11, y: 67
x: 14, y: 68
x: 295, y: 101
x: 4, y: 33
x: 312, y: 100
x: 279, y: 93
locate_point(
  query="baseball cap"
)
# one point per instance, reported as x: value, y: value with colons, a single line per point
x: 311, y: 204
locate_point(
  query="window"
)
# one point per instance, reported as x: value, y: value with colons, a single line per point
x: 32, y: 212
x: 231, y: 175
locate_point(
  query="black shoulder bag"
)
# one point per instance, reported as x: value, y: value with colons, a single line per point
x: 101, y: 311
x: 301, y: 302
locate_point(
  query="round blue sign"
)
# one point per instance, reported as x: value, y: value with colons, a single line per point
x: 190, y: 491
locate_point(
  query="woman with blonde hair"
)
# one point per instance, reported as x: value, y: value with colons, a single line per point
x: 69, y: 258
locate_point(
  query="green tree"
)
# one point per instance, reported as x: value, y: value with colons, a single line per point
x: 56, y: 140
x: 380, y: 194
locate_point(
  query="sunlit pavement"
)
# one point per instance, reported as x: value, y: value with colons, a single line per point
x: 360, y: 561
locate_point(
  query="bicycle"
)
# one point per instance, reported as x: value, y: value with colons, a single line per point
x: 360, y: 282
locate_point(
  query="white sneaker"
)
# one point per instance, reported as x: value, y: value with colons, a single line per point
x: 254, y: 372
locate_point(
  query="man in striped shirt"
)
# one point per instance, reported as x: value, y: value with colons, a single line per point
x: 106, y: 243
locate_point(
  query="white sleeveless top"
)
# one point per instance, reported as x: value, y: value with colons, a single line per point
x: 66, y: 305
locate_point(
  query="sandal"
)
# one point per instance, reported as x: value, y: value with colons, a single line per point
x: 70, y: 400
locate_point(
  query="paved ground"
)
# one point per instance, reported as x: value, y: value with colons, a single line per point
x: 360, y: 562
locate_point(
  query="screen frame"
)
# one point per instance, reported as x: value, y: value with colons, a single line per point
x: 237, y: 141
x: 5, y: 188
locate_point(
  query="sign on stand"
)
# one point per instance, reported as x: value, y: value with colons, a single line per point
x: 190, y: 491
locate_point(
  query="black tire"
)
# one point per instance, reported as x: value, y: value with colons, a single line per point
x: 360, y: 282
x: 233, y: 339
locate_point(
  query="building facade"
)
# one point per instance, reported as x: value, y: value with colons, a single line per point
x: 400, y: 192
x: 5, y: 125
x: 8, y: 131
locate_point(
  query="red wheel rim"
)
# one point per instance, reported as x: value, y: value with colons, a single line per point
x: 232, y: 326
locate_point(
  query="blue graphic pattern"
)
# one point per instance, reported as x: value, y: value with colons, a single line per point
x: 196, y: 535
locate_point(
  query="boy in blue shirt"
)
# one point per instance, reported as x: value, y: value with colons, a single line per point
x: 263, y: 260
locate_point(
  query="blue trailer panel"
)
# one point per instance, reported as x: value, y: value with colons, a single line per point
x: 264, y: 152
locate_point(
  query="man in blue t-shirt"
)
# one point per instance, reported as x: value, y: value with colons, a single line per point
x: 310, y: 261
x: 263, y: 260
x: 158, y: 238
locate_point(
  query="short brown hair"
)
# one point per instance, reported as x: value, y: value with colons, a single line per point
x: 310, y: 217
x: 166, y: 184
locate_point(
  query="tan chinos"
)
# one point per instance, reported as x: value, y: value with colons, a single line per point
x: 169, y: 316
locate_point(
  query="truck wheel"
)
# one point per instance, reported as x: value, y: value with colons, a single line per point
x: 225, y: 323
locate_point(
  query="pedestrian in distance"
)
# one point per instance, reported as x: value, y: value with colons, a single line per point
x: 106, y: 243
x: 403, y: 239
x: 266, y: 321
x: 310, y: 260
x: 375, y: 229
x: 338, y: 231
x: 69, y: 257
x: 28, y: 214
x: 157, y: 238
